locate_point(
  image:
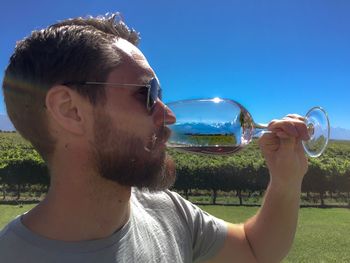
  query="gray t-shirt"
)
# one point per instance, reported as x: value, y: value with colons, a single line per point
x: 163, y: 227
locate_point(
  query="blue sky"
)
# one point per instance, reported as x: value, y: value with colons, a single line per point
x: 275, y: 57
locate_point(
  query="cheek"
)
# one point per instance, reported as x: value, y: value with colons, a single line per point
x: 136, y: 126
x: 131, y: 120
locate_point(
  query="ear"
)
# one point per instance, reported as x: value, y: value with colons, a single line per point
x: 67, y: 108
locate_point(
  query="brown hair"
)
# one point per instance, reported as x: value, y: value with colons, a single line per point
x: 73, y: 50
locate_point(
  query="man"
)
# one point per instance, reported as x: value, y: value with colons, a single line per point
x: 89, y: 102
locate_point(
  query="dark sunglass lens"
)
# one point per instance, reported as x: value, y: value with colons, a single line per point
x: 153, y: 92
x: 160, y: 93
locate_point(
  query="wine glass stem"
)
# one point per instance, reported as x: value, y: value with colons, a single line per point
x: 259, y: 130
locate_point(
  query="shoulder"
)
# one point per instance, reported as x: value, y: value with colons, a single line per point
x: 159, y: 200
x: 9, y: 242
x: 204, y: 232
x: 167, y: 203
x: 6, y: 232
x: 162, y: 204
x: 148, y: 197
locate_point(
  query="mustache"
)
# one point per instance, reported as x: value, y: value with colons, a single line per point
x: 159, y: 137
x: 164, y: 134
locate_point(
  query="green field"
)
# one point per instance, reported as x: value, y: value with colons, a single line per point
x: 323, y: 235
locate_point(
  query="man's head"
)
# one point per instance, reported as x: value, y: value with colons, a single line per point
x: 44, y: 88
x: 74, y: 49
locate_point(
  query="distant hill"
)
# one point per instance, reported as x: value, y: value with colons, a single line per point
x: 340, y: 134
x: 203, y: 128
x: 195, y: 128
x: 336, y: 133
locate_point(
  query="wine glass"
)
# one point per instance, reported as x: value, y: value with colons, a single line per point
x: 223, y: 126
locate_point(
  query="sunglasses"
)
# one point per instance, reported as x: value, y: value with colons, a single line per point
x: 154, y: 91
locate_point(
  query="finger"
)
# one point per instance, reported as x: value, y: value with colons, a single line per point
x: 300, y: 126
x: 299, y: 146
x: 269, y: 142
x: 282, y: 135
x: 302, y: 130
x: 296, y: 116
x: 287, y: 145
x: 286, y: 126
x: 268, y: 137
x: 291, y: 126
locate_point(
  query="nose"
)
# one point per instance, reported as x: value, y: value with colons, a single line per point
x: 162, y: 115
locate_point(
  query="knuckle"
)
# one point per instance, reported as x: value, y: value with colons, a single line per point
x: 273, y: 122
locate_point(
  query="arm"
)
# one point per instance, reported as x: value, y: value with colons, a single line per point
x: 268, y: 236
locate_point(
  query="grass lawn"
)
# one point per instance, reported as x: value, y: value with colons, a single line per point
x: 8, y: 212
x: 323, y: 235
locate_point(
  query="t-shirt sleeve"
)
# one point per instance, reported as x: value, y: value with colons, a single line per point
x: 208, y: 232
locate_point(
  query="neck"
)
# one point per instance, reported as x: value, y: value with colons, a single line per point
x: 80, y: 206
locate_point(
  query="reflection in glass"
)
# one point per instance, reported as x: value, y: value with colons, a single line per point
x: 223, y: 126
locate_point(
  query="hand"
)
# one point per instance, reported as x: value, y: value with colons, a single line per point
x: 283, y: 150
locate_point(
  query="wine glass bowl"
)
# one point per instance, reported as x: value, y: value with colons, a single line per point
x: 209, y: 126
x: 223, y: 126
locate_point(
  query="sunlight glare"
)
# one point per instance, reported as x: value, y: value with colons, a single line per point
x: 217, y: 100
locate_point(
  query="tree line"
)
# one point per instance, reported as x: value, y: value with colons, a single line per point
x: 245, y: 172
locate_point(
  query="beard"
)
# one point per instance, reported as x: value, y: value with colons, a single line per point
x: 124, y: 158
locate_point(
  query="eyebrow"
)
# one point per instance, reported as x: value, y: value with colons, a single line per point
x: 146, y: 78
x: 141, y: 81
x: 115, y: 83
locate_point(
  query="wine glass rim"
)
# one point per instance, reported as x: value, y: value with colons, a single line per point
x: 319, y: 108
x: 325, y: 114
x: 216, y: 99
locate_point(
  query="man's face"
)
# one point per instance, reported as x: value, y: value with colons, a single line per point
x: 128, y: 145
